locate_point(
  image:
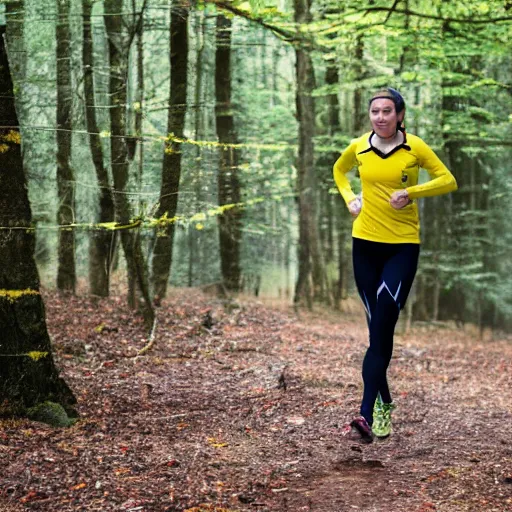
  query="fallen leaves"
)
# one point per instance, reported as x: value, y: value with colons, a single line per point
x: 122, y: 471
x: 33, y: 495
x: 206, y: 507
x: 295, y: 420
x: 200, y: 426
x: 79, y: 486
x: 66, y: 447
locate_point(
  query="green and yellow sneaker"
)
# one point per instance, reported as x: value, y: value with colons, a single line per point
x: 382, y: 418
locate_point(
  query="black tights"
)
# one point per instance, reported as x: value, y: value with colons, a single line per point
x: 384, y: 274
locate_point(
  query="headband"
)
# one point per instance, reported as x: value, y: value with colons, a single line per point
x: 394, y: 96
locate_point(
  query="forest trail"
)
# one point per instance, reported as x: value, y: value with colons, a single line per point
x: 241, y: 407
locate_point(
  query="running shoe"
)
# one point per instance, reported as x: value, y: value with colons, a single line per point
x: 361, y: 425
x: 382, y: 418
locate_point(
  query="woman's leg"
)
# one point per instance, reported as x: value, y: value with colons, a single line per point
x: 368, y: 260
x: 401, y: 268
x: 384, y: 275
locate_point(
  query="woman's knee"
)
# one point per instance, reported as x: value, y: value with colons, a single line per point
x: 376, y: 360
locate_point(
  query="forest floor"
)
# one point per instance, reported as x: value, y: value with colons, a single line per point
x: 249, y: 414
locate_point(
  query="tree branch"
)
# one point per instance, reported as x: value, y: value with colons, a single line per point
x: 226, y: 6
x: 433, y: 16
x: 137, y: 25
x: 393, y: 9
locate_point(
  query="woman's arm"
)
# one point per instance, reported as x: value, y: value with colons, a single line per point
x: 442, y: 180
x: 343, y: 165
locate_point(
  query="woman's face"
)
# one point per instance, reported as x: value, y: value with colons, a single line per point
x: 384, y: 118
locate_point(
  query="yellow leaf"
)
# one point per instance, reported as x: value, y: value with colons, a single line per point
x: 216, y: 443
x: 122, y: 471
x: 13, y: 136
x: 198, y: 216
x: 35, y: 356
x: 99, y: 328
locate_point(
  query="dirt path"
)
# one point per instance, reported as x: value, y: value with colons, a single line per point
x: 248, y: 415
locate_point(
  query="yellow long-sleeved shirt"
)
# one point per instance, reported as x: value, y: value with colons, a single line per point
x: 381, y: 175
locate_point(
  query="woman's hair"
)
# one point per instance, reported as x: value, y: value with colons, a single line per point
x: 393, y: 95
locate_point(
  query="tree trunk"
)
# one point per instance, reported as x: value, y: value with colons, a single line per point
x: 118, y: 55
x: 140, y: 96
x: 453, y: 303
x: 230, y: 233
x: 341, y: 222
x: 102, y: 242
x: 359, y: 114
x: 171, y: 167
x: 311, y: 268
x: 66, y: 272
x: 15, y: 42
x: 195, y: 253
x: 27, y: 372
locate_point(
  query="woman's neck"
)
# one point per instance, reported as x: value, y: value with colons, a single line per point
x: 386, y: 144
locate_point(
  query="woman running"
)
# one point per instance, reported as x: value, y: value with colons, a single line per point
x: 385, y: 235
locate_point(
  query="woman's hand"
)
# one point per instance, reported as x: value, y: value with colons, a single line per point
x: 399, y: 199
x: 354, y: 207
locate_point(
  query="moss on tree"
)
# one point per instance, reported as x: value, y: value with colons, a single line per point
x: 51, y: 413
